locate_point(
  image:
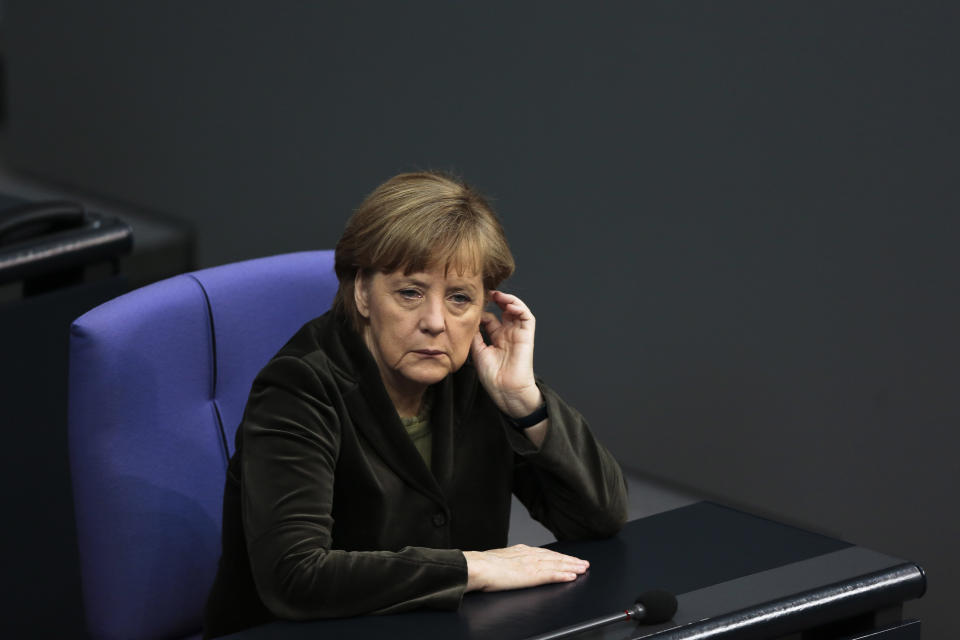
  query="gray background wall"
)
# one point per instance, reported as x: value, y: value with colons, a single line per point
x: 736, y: 222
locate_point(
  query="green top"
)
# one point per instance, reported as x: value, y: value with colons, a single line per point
x: 418, y: 428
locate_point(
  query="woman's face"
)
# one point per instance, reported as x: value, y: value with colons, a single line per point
x: 420, y: 324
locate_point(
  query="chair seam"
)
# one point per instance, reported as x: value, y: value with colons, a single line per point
x: 215, y: 357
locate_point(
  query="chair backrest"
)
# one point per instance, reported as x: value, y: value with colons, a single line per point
x: 158, y: 381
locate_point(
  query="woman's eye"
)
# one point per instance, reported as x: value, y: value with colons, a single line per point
x: 409, y: 294
x: 460, y: 298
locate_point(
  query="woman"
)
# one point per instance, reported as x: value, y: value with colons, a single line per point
x: 379, y: 448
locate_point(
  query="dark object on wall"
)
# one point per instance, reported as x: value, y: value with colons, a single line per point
x: 63, y: 260
x: 48, y: 245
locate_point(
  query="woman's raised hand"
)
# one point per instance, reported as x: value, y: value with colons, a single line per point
x: 505, y: 366
x: 519, y: 566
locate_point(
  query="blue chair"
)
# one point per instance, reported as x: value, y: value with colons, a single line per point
x: 159, y: 378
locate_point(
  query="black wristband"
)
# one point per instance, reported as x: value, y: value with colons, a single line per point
x: 528, y: 421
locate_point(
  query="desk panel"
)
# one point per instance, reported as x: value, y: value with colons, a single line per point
x: 718, y: 560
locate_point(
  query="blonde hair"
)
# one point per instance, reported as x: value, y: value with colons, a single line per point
x: 416, y: 222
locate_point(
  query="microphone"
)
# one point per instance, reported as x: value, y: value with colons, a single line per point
x: 650, y: 607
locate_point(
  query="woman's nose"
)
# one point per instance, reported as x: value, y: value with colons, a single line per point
x: 431, y: 317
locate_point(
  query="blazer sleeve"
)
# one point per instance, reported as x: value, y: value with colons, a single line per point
x: 290, y: 439
x: 572, y: 484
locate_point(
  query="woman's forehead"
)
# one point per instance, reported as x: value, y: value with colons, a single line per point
x: 447, y: 274
x: 463, y: 262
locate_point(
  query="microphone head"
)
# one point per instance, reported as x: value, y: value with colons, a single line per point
x: 659, y: 605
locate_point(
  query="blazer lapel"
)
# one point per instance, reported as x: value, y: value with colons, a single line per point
x: 453, y: 402
x: 443, y: 427
x: 376, y: 418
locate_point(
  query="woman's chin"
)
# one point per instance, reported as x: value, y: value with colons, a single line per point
x: 427, y: 373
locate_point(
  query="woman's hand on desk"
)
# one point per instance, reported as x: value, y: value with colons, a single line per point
x: 518, y: 567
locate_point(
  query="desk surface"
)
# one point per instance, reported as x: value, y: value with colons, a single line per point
x: 717, y: 560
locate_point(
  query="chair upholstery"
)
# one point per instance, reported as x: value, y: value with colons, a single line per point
x: 158, y: 381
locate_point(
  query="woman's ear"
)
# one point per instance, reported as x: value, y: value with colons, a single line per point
x: 361, y: 295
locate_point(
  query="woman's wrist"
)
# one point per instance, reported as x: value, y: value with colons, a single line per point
x: 533, y: 418
x: 523, y: 404
x: 474, y: 560
x: 533, y: 423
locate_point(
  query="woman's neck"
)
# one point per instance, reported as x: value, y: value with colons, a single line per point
x: 406, y: 404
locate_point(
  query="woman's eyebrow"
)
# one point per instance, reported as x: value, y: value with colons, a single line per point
x: 405, y: 279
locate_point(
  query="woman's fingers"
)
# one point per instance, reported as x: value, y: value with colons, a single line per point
x: 516, y: 314
x: 520, y: 550
x: 504, y: 362
x: 542, y: 565
x: 489, y: 322
x: 520, y: 566
x: 477, y: 345
x: 512, y: 306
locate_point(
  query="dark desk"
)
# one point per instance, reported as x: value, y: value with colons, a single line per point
x: 735, y: 576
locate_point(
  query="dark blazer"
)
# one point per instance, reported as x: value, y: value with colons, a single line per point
x: 329, y: 510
